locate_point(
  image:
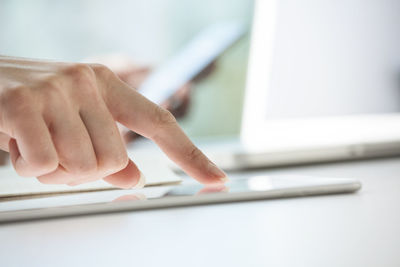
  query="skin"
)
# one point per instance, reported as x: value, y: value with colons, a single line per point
x: 134, y: 75
x: 58, y: 122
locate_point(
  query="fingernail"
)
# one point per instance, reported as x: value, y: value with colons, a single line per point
x: 141, y: 182
x: 224, y: 179
x: 217, y: 172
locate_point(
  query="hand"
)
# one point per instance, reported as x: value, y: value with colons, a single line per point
x: 134, y: 75
x: 58, y: 121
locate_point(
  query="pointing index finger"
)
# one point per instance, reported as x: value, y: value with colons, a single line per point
x: 148, y: 119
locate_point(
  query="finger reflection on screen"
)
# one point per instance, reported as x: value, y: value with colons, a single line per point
x: 213, y: 189
x: 176, y: 191
x: 130, y: 197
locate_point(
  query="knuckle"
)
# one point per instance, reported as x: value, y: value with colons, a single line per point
x: 163, y: 117
x: 101, y: 70
x: 83, y: 79
x: 15, y: 95
x: 104, y: 77
x: 78, y: 71
x: 16, y: 101
x: 194, y: 154
x: 82, y: 75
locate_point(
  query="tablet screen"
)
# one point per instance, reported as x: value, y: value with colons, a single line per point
x: 257, y: 187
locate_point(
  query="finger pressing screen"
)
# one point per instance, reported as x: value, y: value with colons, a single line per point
x: 148, y: 119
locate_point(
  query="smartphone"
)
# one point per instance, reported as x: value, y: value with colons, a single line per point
x: 244, y: 189
x: 191, y: 60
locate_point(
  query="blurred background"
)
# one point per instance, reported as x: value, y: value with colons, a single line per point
x: 148, y: 33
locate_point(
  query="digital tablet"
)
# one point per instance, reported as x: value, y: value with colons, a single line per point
x: 246, y: 189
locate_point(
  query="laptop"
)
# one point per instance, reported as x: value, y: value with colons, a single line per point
x: 323, y: 84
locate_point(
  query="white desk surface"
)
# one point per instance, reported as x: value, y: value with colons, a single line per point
x: 360, y: 229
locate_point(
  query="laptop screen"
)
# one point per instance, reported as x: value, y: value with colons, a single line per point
x: 334, y: 58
